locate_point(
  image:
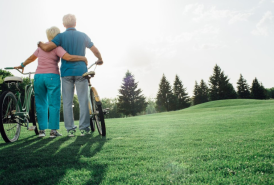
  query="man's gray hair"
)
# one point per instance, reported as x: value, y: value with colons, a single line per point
x: 52, y: 32
x: 69, y: 20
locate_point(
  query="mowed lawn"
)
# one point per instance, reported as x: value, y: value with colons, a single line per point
x: 220, y: 142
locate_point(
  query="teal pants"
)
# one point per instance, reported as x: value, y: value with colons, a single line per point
x: 47, y: 100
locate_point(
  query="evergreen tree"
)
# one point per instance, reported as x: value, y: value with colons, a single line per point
x: 130, y: 100
x: 203, y: 91
x: 243, y: 88
x: 151, y: 106
x: 220, y: 88
x: 270, y: 92
x: 180, y: 95
x: 164, y: 95
x: 196, y: 97
x: 200, y: 93
x: 257, y: 90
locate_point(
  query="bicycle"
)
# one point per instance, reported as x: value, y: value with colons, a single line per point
x: 13, y: 113
x: 95, y: 105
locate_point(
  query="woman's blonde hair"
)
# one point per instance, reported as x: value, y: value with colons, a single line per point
x: 52, y: 32
x: 69, y: 20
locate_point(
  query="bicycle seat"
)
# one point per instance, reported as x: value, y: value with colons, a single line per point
x: 13, y: 79
x: 92, y: 73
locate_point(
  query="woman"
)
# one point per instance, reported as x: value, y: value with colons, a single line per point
x: 47, y: 84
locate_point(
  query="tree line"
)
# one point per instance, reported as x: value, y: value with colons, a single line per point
x: 131, y: 101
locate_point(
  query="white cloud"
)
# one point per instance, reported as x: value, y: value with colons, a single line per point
x: 208, y: 46
x: 265, y: 25
x: 239, y: 17
x: 200, y: 13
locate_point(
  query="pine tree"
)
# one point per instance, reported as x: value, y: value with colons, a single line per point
x: 214, y: 83
x: 220, y: 88
x: 243, y: 88
x: 270, y: 92
x: 200, y: 93
x: 257, y: 90
x: 164, y: 95
x: 196, y: 97
x: 203, y: 91
x: 181, y: 97
x: 130, y: 101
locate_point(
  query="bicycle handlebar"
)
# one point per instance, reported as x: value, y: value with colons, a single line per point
x: 92, y: 65
x: 20, y: 71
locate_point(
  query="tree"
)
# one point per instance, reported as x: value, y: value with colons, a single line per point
x: 196, y: 98
x: 200, y: 93
x: 203, y: 92
x: 21, y: 86
x: 76, y: 109
x: 164, y: 95
x: 220, y: 88
x: 243, y: 88
x: 181, y: 97
x: 130, y: 100
x: 112, y: 105
x: 151, y: 106
x: 257, y: 90
x: 4, y: 74
x: 1, y: 81
x: 270, y: 92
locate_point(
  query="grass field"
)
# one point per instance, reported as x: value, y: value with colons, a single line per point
x: 220, y: 142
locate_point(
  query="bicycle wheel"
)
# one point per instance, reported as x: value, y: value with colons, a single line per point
x: 98, y: 116
x: 92, y: 118
x: 92, y: 123
x: 9, y: 124
x: 33, y: 115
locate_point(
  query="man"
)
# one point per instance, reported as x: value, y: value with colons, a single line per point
x: 75, y: 43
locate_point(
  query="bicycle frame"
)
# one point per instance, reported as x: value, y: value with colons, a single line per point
x: 97, y: 99
x: 22, y: 111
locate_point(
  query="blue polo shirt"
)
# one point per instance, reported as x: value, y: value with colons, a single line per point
x: 75, y: 43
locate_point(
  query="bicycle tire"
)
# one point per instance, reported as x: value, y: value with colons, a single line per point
x: 92, y: 118
x: 9, y: 126
x: 98, y: 117
x: 33, y: 115
x: 92, y: 123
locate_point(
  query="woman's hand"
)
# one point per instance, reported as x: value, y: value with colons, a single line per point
x: 86, y: 61
x: 20, y: 67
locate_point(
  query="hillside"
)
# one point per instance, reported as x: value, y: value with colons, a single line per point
x: 219, y: 142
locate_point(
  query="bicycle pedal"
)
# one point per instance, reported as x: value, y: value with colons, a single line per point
x: 31, y: 128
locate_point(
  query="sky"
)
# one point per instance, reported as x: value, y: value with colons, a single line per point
x: 151, y: 38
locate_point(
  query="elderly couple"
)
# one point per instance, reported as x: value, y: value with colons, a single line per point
x: 70, y: 46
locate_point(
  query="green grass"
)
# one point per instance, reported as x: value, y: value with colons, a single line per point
x: 220, y: 142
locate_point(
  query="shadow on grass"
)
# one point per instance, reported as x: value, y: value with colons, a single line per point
x: 61, y: 160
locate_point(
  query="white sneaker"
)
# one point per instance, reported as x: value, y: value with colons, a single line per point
x: 42, y: 133
x: 54, y: 133
x: 72, y: 131
x: 85, y: 132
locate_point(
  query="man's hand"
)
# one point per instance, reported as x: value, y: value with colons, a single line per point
x: 99, y: 62
x: 20, y: 67
x: 47, y: 46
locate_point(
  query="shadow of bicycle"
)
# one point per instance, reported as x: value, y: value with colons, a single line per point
x: 61, y: 160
